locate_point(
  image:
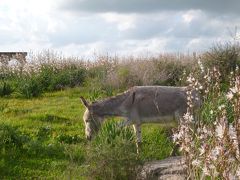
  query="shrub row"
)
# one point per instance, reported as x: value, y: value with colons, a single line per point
x: 48, y: 78
x: 114, y: 72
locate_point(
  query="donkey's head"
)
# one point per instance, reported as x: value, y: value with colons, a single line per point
x: 91, y: 120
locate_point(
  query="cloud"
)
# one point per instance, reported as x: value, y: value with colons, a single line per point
x: 146, y: 6
x: 122, y: 27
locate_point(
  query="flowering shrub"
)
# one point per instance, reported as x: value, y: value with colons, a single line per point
x: 210, y: 141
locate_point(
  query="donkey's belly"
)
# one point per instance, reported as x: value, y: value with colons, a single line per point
x: 157, y: 119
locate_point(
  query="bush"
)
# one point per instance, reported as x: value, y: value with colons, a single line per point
x: 53, y: 78
x: 225, y: 57
x: 11, y: 138
x: 5, y: 89
x: 30, y: 87
x: 113, y: 154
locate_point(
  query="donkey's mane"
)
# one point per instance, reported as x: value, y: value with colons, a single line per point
x: 117, y: 98
x: 106, y: 106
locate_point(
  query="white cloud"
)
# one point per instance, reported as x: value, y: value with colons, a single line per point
x: 189, y: 16
x: 41, y: 24
x: 123, y: 21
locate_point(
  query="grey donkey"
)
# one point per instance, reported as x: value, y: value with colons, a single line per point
x: 138, y: 105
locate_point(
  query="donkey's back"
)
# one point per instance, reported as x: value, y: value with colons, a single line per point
x: 157, y: 103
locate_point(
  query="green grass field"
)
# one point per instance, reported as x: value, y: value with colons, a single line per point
x: 44, y: 137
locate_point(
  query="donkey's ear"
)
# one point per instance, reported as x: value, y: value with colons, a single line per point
x: 84, y: 102
x: 133, y: 97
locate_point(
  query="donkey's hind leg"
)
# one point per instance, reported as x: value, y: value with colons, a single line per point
x: 137, y: 129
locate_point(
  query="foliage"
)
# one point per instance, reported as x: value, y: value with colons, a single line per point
x: 210, y: 143
x: 52, y: 141
x: 30, y: 87
x: 225, y: 57
x: 5, y: 88
x: 113, y: 155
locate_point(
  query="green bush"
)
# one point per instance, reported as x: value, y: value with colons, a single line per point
x: 225, y: 57
x: 46, y: 75
x: 11, y: 138
x: 5, y: 89
x: 113, y: 154
x: 53, y: 79
x: 172, y: 72
x: 29, y: 86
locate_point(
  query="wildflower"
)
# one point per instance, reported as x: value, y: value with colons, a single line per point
x: 232, y: 132
x: 229, y: 95
x: 196, y: 162
x: 221, y: 107
x: 215, y: 153
x: 201, y: 66
x: 233, y: 136
x: 190, y: 79
x: 188, y: 116
x: 237, y: 68
x: 176, y: 137
x: 206, y: 171
x: 234, y: 90
x: 202, y: 150
x: 219, y: 130
x: 211, y: 112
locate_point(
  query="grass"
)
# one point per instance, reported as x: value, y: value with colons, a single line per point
x: 46, y: 136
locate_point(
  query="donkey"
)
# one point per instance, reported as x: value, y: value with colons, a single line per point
x: 138, y: 105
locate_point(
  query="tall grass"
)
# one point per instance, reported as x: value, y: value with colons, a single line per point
x: 49, y: 71
x: 113, y: 155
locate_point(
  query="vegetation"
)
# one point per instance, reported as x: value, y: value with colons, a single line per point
x: 41, y: 127
x: 44, y: 137
x: 210, y: 142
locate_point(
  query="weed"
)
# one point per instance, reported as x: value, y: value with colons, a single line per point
x: 113, y: 155
x: 5, y: 89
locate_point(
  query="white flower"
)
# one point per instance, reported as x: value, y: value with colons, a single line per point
x: 215, y: 153
x: 211, y: 112
x: 234, y: 90
x: 202, y: 150
x: 190, y: 79
x: 221, y: 107
x: 176, y: 136
x: 229, y: 95
x: 219, y: 130
x: 237, y: 68
x: 188, y: 116
x: 201, y: 66
x: 233, y: 136
x: 206, y: 171
x: 232, y: 132
x: 196, y: 162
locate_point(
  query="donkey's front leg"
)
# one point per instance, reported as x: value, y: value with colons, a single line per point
x: 137, y: 129
x: 126, y: 122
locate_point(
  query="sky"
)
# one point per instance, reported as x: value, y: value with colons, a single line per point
x: 117, y: 27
